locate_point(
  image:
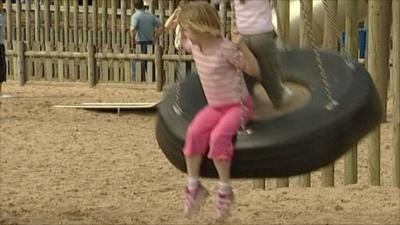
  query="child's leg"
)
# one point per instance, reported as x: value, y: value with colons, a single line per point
x: 221, y: 151
x: 264, y: 48
x: 196, y: 145
x: 197, y: 138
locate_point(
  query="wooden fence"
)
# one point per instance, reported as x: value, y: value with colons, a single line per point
x: 63, y: 40
x: 92, y: 46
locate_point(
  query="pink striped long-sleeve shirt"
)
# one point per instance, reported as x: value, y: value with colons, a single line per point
x: 221, y: 82
x: 253, y: 16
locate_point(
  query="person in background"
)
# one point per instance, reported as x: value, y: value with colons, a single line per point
x: 145, y: 28
x: 3, y: 65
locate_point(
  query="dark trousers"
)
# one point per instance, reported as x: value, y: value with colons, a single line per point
x: 264, y: 48
x: 3, y: 66
x: 143, y: 65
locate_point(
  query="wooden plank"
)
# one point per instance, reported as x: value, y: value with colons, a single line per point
x: 73, y: 69
x: 127, y: 65
x: 137, y: 66
x: 83, y: 65
x: 396, y: 93
x: 305, y: 42
x: 150, y: 71
x: 351, y: 27
x: 116, y: 64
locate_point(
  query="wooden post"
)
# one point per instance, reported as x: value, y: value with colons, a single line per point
x: 75, y: 18
x: 222, y: 14
x: 28, y: 21
x: 114, y: 44
x: 94, y: 22
x: 20, y: 47
x: 104, y: 22
x: 9, y: 22
x: 378, y: 68
x: 56, y: 21
x: 396, y: 92
x: 85, y: 21
x: 28, y: 36
x: 48, y: 65
x: 66, y: 23
x: 283, y: 10
x: 305, y: 42
x: 21, y: 63
x: 352, y: 11
x: 123, y: 24
x: 18, y: 22
x: 92, y: 76
x: 159, y: 67
x: 46, y: 21
x: 329, y: 42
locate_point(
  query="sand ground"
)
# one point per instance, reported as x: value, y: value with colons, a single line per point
x: 73, y: 166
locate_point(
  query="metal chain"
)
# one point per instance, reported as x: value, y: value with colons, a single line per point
x: 243, y: 108
x: 332, y: 102
x: 177, y: 105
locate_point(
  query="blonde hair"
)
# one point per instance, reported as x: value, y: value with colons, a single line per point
x: 200, y: 17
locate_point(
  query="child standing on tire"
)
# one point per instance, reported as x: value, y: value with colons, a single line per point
x: 254, y: 23
x: 218, y: 62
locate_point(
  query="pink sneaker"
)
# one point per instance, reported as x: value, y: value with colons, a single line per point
x: 223, y: 205
x: 194, y: 200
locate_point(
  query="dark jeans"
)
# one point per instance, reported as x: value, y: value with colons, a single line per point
x: 264, y: 48
x: 143, y: 50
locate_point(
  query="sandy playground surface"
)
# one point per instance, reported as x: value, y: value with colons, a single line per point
x: 73, y: 166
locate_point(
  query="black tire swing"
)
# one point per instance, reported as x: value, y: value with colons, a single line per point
x: 294, y: 143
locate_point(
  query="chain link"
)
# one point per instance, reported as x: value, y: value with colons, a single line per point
x: 332, y: 102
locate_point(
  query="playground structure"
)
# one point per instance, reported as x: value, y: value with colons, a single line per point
x: 58, y: 51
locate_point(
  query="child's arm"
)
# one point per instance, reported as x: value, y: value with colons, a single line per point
x: 250, y: 63
x: 172, y: 20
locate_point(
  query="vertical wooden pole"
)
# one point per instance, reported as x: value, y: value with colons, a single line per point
x: 28, y: 36
x: 114, y: 22
x: 37, y: 20
x: 9, y: 22
x: 20, y: 47
x: 85, y: 21
x: 305, y: 42
x: 66, y: 22
x: 283, y: 13
x: 92, y: 76
x: 396, y: 92
x: 21, y: 63
x: 75, y: 18
x: 352, y: 11
x: 28, y: 22
x: 104, y: 22
x: 56, y: 21
x: 46, y: 21
x: 159, y: 66
x: 329, y: 42
x: 378, y: 68
x: 123, y: 23
x: 222, y: 14
x: 48, y: 65
x: 94, y: 22
x: 73, y: 45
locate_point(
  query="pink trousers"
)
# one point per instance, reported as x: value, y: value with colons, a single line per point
x: 213, y: 129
